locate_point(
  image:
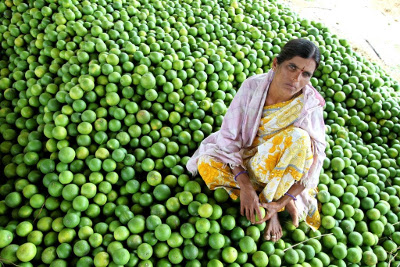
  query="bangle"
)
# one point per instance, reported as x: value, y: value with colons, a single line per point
x: 294, y: 198
x: 239, y: 173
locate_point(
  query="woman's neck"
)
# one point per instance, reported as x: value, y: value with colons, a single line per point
x: 275, y: 95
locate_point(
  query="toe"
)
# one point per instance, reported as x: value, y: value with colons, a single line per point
x: 267, y: 237
x: 267, y: 233
x: 275, y: 236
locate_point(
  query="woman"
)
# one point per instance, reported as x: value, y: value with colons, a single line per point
x: 270, y: 148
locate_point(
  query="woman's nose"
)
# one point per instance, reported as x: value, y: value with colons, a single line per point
x: 296, y: 76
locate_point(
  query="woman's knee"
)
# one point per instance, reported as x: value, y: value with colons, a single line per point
x: 301, y: 136
x: 210, y: 168
x: 204, y: 165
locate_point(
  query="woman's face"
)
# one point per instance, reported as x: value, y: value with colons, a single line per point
x: 293, y: 74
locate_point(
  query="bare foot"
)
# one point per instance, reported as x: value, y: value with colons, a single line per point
x: 273, y: 231
x: 291, y: 208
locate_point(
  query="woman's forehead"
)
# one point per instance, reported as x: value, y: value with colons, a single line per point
x: 304, y: 64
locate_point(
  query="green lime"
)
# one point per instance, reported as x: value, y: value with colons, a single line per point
x: 291, y: 256
x: 355, y: 239
x: 247, y: 244
x: 369, y: 258
x: 205, y: 210
x: 228, y: 222
x: 230, y: 254
x: 66, y: 155
x: 121, y: 256
x: 329, y: 241
x: 274, y: 261
x: 376, y: 227
x: 26, y: 252
x: 190, y: 252
x: 202, y: 225
x: 81, y: 248
x: 162, y: 192
x: 144, y: 251
x: 24, y: 228
x: 328, y: 222
x: 121, y: 233
x: 6, y: 237
x: 13, y: 199
x: 260, y: 258
x: 80, y: 203
x: 340, y: 251
x: 215, y: 263
x: 217, y: 241
x: 175, y: 256
x: 163, y: 232
x: 298, y: 235
x: 308, y: 251
x: 101, y: 259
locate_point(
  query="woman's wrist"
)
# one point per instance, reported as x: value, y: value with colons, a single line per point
x: 290, y: 195
x: 243, y: 181
x: 240, y: 173
x: 241, y: 176
x: 283, y: 201
x: 293, y: 192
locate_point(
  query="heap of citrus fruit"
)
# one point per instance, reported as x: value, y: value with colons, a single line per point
x: 103, y: 102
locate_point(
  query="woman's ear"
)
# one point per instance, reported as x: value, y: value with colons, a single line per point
x: 274, y: 64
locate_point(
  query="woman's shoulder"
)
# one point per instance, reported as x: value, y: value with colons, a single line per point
x: 258, y: 78
x: 255, y: 81
x: 312, y: 96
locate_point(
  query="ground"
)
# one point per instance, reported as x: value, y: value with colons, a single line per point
x: 371, y: 26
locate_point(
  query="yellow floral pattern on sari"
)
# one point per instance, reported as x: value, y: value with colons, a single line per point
x: 279, y: 157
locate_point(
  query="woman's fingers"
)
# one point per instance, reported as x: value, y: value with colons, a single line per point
x: 258, y: 212
x: 251, y: 213
x: 262, y: 220
x: 248, y: 214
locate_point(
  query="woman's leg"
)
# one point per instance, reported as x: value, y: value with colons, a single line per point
x: 292, y: 210
x: 218, y: 175
x: 280, y: 162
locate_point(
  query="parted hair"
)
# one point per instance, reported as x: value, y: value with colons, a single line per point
x: 299, y: 47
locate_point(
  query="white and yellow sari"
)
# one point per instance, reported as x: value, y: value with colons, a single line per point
x: 280, y: 155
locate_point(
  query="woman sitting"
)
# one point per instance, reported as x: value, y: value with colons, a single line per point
x: 270, y: 148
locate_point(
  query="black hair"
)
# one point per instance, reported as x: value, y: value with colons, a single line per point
x: 299, y: 47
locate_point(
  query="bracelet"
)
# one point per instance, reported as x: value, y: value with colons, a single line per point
x: 239, y: 173
x: 294, y: 198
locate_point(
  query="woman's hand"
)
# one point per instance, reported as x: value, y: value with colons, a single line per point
x: 271, y: 208
x: 249, y: 201
x: 249, y: 204
x: 284, y: 201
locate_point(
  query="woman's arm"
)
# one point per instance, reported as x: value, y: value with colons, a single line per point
x: 295, y: 190
x: 274, y: 207
x: 249, y: 201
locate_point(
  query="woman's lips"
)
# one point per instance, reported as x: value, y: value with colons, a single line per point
x: 291, y: 86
